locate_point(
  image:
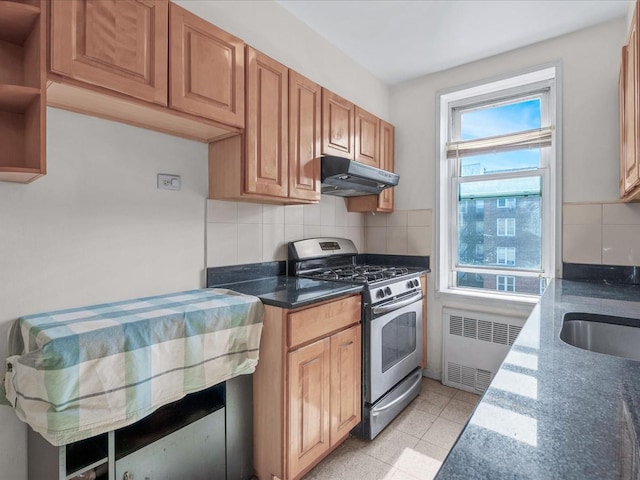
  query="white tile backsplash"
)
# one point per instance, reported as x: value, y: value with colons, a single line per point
x: 621, y: 244
x: 419, y: 218
x: 621, y: 214
x: 582, y: 214
x: 249, y: 243
x: 375, y: 239
x: 397, y: 219
x: 582, y: 244
x: 328, y: 210
x: 311, y: 231
x: 418, y: 240
x: 293, y: 233
x: 249, y: 212
x: 355, y: 219
x: 397, y: 240
x: 601, y: 233
x: 240, y: 232
x: 341, y: 215
x: 273, y: 246
x: 294, y: 215
x: 311, y: 214
x: 375, y: 219
x: 219, y: 211
x: 273, y: 214
x: 222, y: 244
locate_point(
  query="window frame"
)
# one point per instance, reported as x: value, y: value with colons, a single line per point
x: 507, y: 251
x: 516, y: 85
x: 506, y: 280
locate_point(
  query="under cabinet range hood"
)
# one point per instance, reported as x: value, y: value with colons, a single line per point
x: 347, y: 178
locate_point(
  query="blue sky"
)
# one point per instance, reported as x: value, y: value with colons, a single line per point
x: 489, y: 122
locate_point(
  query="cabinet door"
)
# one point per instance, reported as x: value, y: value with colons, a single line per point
x: 345, y: 382
x: 309, y: 384
x: 120, y: 45
x: 367, y: 140
x: 338, y: 124
x: 631, y: 112
x: 384, y: 201
x: 304, y: 138
x: 266, y: 148
x: 206, y: 67
x: 387, y: 145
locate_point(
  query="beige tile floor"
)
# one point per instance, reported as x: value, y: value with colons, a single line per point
x: 412, y: 447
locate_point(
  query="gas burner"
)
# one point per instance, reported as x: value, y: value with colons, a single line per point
x: 358, y: 273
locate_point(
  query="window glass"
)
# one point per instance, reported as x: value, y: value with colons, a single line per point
x: 492, y: 121
x: 521, y: 231
x: 497, y: 283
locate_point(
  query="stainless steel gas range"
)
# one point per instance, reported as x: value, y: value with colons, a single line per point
x: 391, y: 324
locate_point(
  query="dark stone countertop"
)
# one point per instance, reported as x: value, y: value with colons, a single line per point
x: 291, y: 292
x: 554, y: 410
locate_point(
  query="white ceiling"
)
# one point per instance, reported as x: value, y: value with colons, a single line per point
x: 404, y: 39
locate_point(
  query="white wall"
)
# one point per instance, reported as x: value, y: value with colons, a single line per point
x: 274, y: 31
x: 96, y: 229
x: 590, y: 64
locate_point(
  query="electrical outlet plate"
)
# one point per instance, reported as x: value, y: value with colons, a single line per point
x: 169, y: 182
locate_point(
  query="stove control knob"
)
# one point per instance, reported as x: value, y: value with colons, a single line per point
x: 410, y: 284
x: 387, y: 291
x: 416, y: 283
x: 380, y: 294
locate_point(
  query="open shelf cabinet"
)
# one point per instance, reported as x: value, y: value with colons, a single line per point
x: 22, y: 90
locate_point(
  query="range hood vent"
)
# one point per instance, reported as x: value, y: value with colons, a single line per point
x: 347, y: 178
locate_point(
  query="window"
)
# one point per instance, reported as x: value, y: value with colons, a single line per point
x: 506, y: 227
x: 498, y: 153
x: 506, y: 255
x: 506, y: 203
x: 506, y: 283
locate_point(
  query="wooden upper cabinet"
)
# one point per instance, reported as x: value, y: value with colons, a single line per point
x: 384, y: 201
x: 206, y: 68
x: 338, y: 125
x: 266, y: 146
x: 305, y: 104
x: 367, y: 143
x: 387, y: 146
x: 632, y: 142
x: 119, y: 45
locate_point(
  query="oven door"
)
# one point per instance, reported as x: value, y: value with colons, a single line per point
x: 394, y: 344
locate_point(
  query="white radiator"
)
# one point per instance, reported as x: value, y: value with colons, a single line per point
x: 474, y: 346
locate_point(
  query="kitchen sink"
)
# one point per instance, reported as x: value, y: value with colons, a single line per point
x: 616, y: 336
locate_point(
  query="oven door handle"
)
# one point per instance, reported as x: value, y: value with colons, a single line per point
x: 390, y: 307
x: 377, y: 411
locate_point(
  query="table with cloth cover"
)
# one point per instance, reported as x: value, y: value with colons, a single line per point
x: 80, y: 372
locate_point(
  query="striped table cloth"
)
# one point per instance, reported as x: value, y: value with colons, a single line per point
x: 76, y: 373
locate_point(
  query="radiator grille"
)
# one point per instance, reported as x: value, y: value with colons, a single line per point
x: 486, y: 331
x: 475, y: 378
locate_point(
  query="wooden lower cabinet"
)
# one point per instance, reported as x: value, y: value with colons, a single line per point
x: 307, y: 387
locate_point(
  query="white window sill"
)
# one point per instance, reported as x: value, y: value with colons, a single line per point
x: 521, y: 303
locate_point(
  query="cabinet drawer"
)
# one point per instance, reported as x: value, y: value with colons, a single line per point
x: 315, y: 322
